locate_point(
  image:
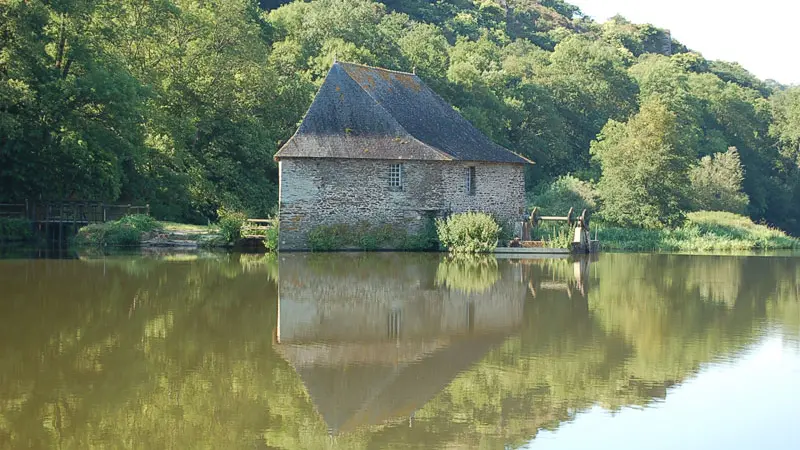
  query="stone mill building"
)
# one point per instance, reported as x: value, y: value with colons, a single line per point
x: 379, y: 146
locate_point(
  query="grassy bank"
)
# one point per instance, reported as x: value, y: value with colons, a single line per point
x: 702, y: 231
x: 142, y: 230
x: 126, y: 232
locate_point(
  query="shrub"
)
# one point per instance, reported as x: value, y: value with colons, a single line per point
x: 271, y: 237
x: 111, y: 233
x: 125, y: 232
x: 564, y: 193
x: 141, y: 222
x: 425, y: 240
x: 471, y: 232
x: 15, y: 230
x: 230, y: 224
x: 365, y: 236
x: 330, y: 237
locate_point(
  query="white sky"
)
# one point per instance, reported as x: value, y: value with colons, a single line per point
x: 760, y: 35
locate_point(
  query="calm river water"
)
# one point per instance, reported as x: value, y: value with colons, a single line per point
x: 352, y: 351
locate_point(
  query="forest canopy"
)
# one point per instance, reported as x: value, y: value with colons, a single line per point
x: 183, y: 103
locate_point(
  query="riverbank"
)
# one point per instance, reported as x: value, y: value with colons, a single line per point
x: 144, y: 231
x: 702, y: 231
x: 232, y: 231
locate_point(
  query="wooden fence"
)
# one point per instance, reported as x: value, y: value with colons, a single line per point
x: 76, y: 213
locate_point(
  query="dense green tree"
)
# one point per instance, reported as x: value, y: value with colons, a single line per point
x: 717, y: 183
x: 590, y: 85
x: 785, y: 128
x: 69, y: 109
x: 638, y: 39
x: 183, y: 103
x: 786, y: 124
x: 644, y: 181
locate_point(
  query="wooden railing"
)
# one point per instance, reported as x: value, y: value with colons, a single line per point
x: 70, y: 212
x: 256, y: 228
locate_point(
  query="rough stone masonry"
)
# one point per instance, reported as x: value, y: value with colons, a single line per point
x: 315, y: 191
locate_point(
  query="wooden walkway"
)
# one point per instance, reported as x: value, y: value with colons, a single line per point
x: 69, y: 213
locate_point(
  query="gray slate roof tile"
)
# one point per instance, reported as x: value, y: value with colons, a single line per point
x: 371, y: 113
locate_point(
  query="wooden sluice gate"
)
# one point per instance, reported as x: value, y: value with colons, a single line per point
x: 581, y: 237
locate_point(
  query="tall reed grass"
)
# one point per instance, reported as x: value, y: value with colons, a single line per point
x: 702, y: 231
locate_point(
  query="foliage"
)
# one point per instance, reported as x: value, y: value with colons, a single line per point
x: 125, y: 232
x: 703, y: 231
x: 717, y: 183
x: 141, y: 223
x: 469, y: 232
x: 231, y: 224
x: 644, y: 182
x: 424, y: 240
x: 13, y: 230
x: 786, y: 124
x: 564, y: 193
x: 638, y: 39
x: 183, y: 104
x: 163, y: 102
x: 271, y: 237
x: 555, y: 236
x: 366, y: 236
x: 785, y: 128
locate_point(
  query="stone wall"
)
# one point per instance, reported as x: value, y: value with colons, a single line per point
x: 380, y: 297
x: 318, y: 191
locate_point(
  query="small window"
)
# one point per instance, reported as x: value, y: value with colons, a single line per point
x: 469, y: 181
x: 396, y: 176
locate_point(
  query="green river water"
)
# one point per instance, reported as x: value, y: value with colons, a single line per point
x: 351, y: 351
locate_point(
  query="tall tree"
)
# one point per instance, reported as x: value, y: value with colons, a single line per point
x: 644, y: 181
x: 717, y: 183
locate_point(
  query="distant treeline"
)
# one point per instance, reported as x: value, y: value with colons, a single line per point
x: 183, y: 103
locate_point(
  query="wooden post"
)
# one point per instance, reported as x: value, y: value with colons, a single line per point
x: 60, y: 223
x: 104, y: 212
x: 580, y: 241
x: 47, y: 221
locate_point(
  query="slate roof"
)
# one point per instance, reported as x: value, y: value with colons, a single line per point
x: 371, y: 113
x: 348, y: 397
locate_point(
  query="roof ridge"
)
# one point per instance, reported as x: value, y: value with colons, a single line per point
x: 443, y: 153
x: 382, y: 69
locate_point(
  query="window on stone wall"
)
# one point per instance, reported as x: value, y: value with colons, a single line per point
x: 396, y: 176
x: 469, y: 180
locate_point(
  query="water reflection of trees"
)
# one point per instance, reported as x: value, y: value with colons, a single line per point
x: 153, y: 353
x: 649, y: 323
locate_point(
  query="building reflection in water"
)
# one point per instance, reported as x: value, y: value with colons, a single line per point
x: 373, y: 339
